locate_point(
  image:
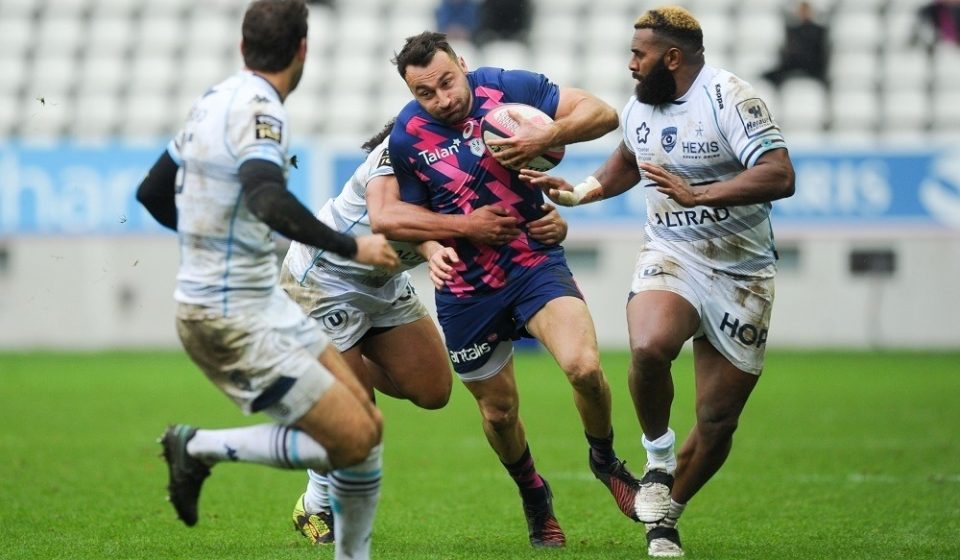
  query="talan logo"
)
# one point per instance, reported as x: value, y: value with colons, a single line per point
x: 433, y: 156
x: 668, y: 138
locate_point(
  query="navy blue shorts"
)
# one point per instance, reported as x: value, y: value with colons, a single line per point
x: 474, y: 325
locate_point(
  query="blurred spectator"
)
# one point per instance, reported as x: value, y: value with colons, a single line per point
x: 939, y: 21
x: 457, y: 18
x: 504, y: 20
x: 328, y: 3
x: 805, y: 49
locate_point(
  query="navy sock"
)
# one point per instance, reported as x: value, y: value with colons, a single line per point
x: 601, y: 449
x: 524, y: 473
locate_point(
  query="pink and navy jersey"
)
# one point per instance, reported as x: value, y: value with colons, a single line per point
x: 448, y: 169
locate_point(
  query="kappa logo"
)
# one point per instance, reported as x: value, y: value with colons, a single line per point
x: 642, y: 133
x: 268, y: 128
x: 668, y: 138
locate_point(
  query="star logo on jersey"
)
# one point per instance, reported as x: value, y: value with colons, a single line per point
x: 643, y: 131
x: 668, y: 138
x: 699, y: 130
x: 268, y: 128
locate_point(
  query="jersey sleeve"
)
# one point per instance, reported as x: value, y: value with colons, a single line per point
x: 175, y: 146
x: 522, y: 86
x: 258, y: 130
x: 629, y: 135
x: 402, y: 158
x: 748, y: 126
x: 380, y: 160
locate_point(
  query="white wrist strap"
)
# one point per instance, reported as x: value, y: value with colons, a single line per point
x: 587, y: 187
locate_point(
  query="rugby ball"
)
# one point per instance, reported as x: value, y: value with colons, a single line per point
x: 499, y: 124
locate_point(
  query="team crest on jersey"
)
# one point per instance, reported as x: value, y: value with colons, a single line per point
x: 477, y: 147
x: 755, y: 116
x: 668, y: 138
x: 268, y: 128
x: 384, y: 160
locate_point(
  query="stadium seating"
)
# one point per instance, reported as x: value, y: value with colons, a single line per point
x: 148, y: 61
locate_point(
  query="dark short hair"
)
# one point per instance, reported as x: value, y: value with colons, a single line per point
x: 674, y: 24
x: 419, y: 50
x: 272, y: 31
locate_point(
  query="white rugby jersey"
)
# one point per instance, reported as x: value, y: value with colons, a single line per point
x: 227, y: 258
x: 347, y: 213
x: 716, y: 130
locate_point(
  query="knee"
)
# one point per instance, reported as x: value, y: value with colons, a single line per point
x: 584, y: 372
x: 716, y: 428
x: 652, y: 353
x: 434, y: 399
x: 355, y: 449
x: 501, y: 415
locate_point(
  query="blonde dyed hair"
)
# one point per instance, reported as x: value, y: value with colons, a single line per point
x: 674, y: 23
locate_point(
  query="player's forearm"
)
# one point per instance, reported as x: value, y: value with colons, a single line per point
x: 771, y: 179
x: 582, y: 117
x: 618, y: 174
x: 409, y: 222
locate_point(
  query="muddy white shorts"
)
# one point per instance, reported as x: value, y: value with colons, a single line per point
x: 347, y: 313
x: 734, y: 310
x: 264, y: 358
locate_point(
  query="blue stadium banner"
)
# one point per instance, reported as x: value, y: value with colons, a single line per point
x: 68, y: 189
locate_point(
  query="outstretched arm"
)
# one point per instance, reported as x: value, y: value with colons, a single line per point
x: 615, y: 176
x: 266, y: 195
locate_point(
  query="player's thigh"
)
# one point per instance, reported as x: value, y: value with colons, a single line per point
x: 736, y: 319
x: 664, y: 306
x: 566, y: 329
x: 722, y: 388
x: 414, y: 358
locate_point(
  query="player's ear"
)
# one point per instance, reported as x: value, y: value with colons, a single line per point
x: 462, y: 63
x: 673, y: 58
x: 302, y: 49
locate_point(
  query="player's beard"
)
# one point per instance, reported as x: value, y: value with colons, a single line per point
x: 658, y: 86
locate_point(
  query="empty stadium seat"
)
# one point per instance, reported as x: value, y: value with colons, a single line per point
x: 80, y: 53
x: 803, y: 105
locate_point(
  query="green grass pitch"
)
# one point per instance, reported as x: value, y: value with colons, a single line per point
x: 839, y: 455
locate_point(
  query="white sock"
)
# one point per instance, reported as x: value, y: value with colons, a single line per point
x: 317, y: 497
x: 673, y: 514
x: 660, y: 453
x: 354, y: 492
x: 276, y: 445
